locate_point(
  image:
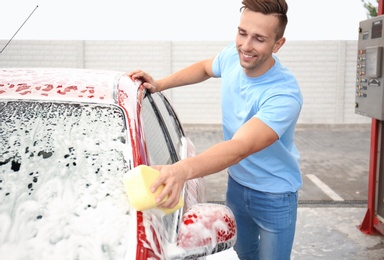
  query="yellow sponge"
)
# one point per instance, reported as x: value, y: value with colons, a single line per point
x: 137, y: 183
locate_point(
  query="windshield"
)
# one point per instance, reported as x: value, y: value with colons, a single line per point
x: 61, y: 189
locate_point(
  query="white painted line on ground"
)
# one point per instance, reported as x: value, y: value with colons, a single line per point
x: 325, y: 188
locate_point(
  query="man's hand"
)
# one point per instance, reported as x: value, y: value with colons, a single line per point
x: 148, y: 82
x: 173, y: 178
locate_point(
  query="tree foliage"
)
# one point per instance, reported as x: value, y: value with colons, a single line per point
x: 371, y: 8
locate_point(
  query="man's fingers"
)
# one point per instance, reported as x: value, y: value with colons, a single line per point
x: 164, y: 194
x: 145, y: 78
x: 172, y: 200
x: 149, y: 86
x: 168, y: 192
x: 134, y: 74
x: 155, y: 185
x: 172, y: 187
x: 138, y: 74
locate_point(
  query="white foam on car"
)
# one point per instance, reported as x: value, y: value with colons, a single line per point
x: 61, y: 187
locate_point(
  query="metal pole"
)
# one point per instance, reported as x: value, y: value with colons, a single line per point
x: 367, y: 226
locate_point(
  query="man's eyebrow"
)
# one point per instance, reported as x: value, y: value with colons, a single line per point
x: 254, y: 35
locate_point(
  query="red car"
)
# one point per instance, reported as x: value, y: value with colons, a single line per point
x: 67, y: 137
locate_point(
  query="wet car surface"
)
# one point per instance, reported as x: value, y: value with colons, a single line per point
x: 67, y: 137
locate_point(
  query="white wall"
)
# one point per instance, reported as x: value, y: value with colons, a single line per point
x: 325, y: 71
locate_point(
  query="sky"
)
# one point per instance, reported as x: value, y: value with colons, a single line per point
x: 174, y: 20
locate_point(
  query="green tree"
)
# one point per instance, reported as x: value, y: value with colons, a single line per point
x: 371, y: 9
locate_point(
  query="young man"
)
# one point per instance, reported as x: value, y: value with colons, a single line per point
x: 261, y: 103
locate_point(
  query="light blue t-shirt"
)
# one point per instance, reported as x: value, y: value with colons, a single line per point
x: 275, y: 99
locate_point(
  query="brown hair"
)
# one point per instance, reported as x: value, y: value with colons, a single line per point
x: 277, y: 8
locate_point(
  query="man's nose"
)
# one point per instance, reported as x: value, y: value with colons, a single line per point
x: 247, y: 44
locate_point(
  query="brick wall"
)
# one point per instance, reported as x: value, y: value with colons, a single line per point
x: 325, y: 71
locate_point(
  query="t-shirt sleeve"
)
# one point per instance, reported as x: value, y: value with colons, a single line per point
x: 220, y: 60
x: 279, y: 112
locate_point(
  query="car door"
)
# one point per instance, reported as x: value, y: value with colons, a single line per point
x: 164, y: 141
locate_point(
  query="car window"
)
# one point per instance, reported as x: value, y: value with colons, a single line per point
x: 161, y: 134
x: 61, y: 169
x: 171, y: 122
x: 156, y: 139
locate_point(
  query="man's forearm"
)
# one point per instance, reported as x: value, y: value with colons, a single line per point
x: 192, y: 74
x: 252, y: 137
x: 213, y: 160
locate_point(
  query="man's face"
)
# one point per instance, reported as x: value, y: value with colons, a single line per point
x: 256, y: 41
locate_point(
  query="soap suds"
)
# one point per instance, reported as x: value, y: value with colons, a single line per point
x: 61, y: 168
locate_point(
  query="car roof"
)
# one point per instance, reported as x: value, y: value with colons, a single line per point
x: 60, y: 84
x: 78, y: 86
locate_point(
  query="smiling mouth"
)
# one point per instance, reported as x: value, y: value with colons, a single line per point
x: 247, y: 55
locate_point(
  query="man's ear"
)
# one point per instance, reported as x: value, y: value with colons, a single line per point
x: 280, y: 42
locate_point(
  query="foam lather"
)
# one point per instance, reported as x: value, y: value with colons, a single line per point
x: 137, y: 183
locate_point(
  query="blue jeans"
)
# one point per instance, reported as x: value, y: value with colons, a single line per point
x: 266, y: 222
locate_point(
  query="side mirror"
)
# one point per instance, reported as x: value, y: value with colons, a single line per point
x: 205, y: 229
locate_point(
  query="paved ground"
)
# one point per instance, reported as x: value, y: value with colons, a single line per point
x: 334, y: 164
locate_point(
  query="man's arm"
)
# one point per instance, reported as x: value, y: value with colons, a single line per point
x: 252, y: 137
x: 192, y: 74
